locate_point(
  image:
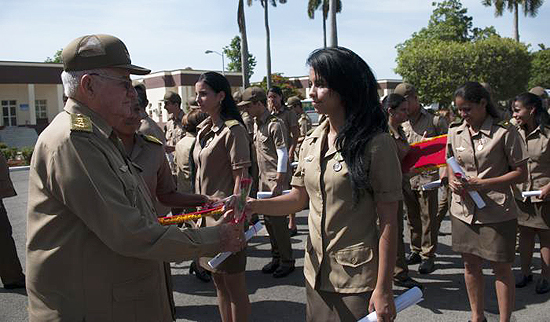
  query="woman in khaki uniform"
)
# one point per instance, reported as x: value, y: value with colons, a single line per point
x: 222, y: 158
x: 349, y: 171
x: 493, y: 157
x: 534, y: 217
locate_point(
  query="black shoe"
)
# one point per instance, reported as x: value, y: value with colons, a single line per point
x: 293, y: 232
x: 484, y: 320
x: 271, y: 267
x: 407, y: 282
x: 202, y: 274
x: 413, y: 258
x: 524, y: 281
x: 427, y: 266
x: 283, y: 271
x: 542, y: 286
x: 12, y: 286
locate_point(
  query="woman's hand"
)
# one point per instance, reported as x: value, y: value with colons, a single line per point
x: 475, y: 184
x: 544, y: 192
x: 457, y: 185
x: 382, y: 301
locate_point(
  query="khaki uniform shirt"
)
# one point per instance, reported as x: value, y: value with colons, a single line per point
x: 150, y: 127
x: 173, y: 129
x: 6, y: 186
x: 94, y: 246
x: 490, y: 153
x: 401, y: 142
x: 148, y: 154
x: 219, y: 149
x: 182, y: 159
x: 304, y: 122
x: 538, y: 150
x: 342, y: 247
x: 289, y: 119
x: 248, y: 122
x: 426, y: 126
x: 269, y: 135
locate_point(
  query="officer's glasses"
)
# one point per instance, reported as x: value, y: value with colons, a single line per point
x: 124, y: 82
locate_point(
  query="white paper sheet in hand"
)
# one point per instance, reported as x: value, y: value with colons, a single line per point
x: 474, y: 194
x: 527, y: 194
x: 214, y: 262
x: 267, y: 194
x: 432, y: 185
x: 403, y: 301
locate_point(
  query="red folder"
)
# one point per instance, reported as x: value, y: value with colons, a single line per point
x: 426, y: 155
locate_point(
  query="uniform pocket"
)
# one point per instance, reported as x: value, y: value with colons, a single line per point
x: 354, y: 256
x: 138, y: 299
x: 129, y: 183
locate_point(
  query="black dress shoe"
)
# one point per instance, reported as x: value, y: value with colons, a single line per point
x: 283, y: 271
x: 271, y: 267
x: 201, y: 275
x: 15, y: 285
x: 407, y: 282
x: 484, y: 320
x: 542, y: 286
x: 427, y: 266
x: 413, y: 258
x: 524, y: 281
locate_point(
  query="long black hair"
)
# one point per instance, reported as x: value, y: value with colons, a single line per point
x: 219, y: 83
x: 533, y: 101
x: 474, y: 92
x: 349, y: 75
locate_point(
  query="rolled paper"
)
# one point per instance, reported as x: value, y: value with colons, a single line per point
x: 458, y: 170
x: 432, y: 185
x: 294, y: 164
x: 405, y: 300
x: 527, y: 194
x: 267, y: 194
x: 181, y: 218
x: 214, y: 262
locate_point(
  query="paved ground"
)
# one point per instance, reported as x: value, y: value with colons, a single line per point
x: 284, y: 299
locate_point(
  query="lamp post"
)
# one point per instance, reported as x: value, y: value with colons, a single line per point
x: 221, y: 54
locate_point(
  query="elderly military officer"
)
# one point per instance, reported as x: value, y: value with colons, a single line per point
x: 94, y: 246
x: 148, y: 125
x: 272, y: 156
x: 421, y: 205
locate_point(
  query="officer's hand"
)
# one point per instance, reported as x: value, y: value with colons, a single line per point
x: 382, y: 302
x: 544, y: 192
x: 475, y: 184
x: 456, y: 185
x: 277, y: 190
x: 232, y: 237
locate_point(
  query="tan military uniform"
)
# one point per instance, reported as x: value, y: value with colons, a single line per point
x: 182, y: 159
x: 219, y: 150
x: 248, y: 122
x: 94, y: 246
x: 173, y: 129
x: 342, y: 248
x: 422, y: 205
x: 304, y: 122
x: 269, y: 135
x: 150, y: 127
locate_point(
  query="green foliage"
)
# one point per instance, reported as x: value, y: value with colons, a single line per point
x: 9, y: 153
x: 233, y: 53
x: 56, y: 57
x: 12, y: 154
x: 530, y: 7
x: 540, y: 68
x: 26, y: 152
x: 277, y: 79
x: 313, y: 5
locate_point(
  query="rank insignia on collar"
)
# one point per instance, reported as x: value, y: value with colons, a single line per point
x: 81, y: 123
x: 460, y: 148
x: 309, y: 158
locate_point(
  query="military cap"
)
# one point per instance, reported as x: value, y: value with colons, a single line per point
x: 252, y: 94
x: 539, y: 91
x: 293, y: 100
x: 405, y: 89
x: 172, y: 97
x: 98, y: 51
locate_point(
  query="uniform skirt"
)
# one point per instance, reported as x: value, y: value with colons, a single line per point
x: 534, y: 214
x: 331, y: 306
x: 494, y: 242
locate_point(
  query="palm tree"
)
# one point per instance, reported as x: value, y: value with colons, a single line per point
x: 265, y: 5
x: 530, y: 7
x: 313, y: 5
x: 244, y: 44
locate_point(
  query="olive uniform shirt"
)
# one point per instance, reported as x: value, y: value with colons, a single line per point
x: 94, y: 246
x: 289, y: 119
x: 342, y: 247
x: 427, y: 126
x: 182, y: 158
x: 538, y: 150
x: 173, y: 129
x: 150, y: 127
x: 304, y: 122
x: 490, y: 153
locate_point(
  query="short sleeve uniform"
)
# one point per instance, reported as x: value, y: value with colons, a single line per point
x: 183, y: 162
x: 269, y: 135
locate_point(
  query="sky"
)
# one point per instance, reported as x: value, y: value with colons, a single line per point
x: 174, y: 34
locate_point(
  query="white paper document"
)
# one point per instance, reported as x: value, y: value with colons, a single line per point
x: 474, y: 194
x: 267, y: 194
x: 214, y: 262
x: 527, y: 194
x: 432, y: 185
x: 403, y: 301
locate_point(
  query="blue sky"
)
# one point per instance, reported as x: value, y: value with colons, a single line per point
x: 173, y: 34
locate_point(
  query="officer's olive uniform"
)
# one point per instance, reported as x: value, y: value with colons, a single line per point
x: 535, y: 213
x: 95, y: 250
x: 183, y: 157
x: 422, y: 205
x: 289, y: 120
x: 173, y: 130
x: 150, y: 127
x: 304, y: 123
x: 497, y: 147
x: 341, y: 253
x: 269, y: 135
x: 219, y: 150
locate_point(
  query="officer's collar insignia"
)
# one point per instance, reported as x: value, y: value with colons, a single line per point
x: 152, y: 139
x: 309, y: 158
x: 460, y: 148
x: 81, y: 123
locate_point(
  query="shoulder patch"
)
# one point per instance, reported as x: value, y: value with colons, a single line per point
x: 504, y: 124
x: 273, y: 118
x: 231, y: 123
x: 152, y: 139
x: 455, y: 124
x: 80, y: 122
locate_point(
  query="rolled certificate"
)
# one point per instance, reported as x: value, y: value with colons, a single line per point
x: 214, y: 262
x: 432, y: 185
x: 294, y: 164
x: 527, y: 194
x: 267, y: 194
x: 474, y: 194
x: 403, y: 301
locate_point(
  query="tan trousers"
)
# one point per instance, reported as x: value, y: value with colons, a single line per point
x: 10, y: 267
x: 421, y: 214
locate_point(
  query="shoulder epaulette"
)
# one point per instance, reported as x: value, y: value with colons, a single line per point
x: 455, y: 124
x: 273, y: 118
x: 505, y: 124
x: 152, y: 139
x: 231, y: 123
x: 81, y: 123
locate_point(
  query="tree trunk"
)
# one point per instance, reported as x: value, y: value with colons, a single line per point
x: 244, y: 44
x: 333, y: 33
x: 516, y: 21
x: 267, y: 44
x: 324, y: 33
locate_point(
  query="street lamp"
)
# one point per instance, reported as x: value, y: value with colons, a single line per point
x: 215, y: 52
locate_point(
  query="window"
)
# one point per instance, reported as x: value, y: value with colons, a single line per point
x: 9, y: 115
x: 41, y: 109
